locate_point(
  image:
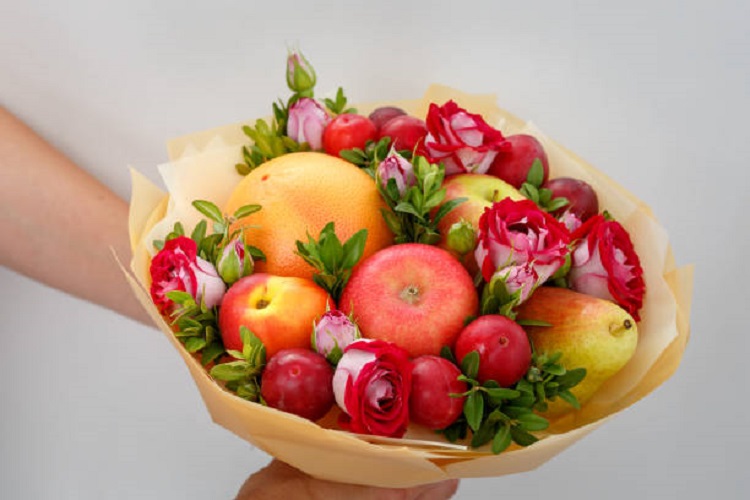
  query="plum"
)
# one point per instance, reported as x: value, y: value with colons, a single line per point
x: 513, y: 166
x: 582, y: 199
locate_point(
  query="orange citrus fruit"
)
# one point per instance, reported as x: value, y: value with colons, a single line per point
x: 299, y: 193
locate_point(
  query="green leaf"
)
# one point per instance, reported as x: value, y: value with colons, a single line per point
x: 246, y: 210
x: 470, y: 364
x: 195, y: 344
x: 502, y: 393
x: 532, y: 422
x: 209, y: 210
x: 180, y: 297
x: 474, y: 410
x: 533, y: 322
x: 212, y: 352
x: 521, y: 436
x: 199, y: 232
x: 446, y: 353
x: 232, y: 371
x: 354, y: 248
x: 446, y: 208
x: 571, y: 378
x: 570, y: 398
x: 502, y: 439
x: 535, y: 177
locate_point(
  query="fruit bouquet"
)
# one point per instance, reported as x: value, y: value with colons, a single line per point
x: 398, y: 293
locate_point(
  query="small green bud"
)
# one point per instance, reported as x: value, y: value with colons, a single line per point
x: 462, y: 237
x: 234, y: 262
x: 300, y: 75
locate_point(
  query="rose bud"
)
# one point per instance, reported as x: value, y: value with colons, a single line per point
x: 463, y: 141
x: 604, y: 264
x: 300, y: 75
x: 461, y: 237
x: 522, y: 277
x: 513, y: 233
x: 398, y: 168
x: 372, y: 384
x: 178, y: 267
x: 332, y: 333
x: 307, y: 121
x: 234, y: 262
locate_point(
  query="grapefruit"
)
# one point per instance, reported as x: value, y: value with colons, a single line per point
x: 299, y: 194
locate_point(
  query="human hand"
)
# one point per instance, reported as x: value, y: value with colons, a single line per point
x: 279, y: 480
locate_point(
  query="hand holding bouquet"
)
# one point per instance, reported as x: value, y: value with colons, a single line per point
x: 423, y: 287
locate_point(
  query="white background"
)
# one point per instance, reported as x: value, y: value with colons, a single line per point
x: 655, y: 94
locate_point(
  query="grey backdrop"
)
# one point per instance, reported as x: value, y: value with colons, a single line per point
x: 653, y: 93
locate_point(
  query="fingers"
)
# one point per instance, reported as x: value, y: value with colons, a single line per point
x: 279, y: 480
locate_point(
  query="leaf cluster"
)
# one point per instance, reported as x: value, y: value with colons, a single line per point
x: 332, y: 259
x: 509, y: 415
x: 410, y: 217
x: 373, y: 153
x: 338, y: 105
x: 533, y: 190
x: 243, y: 375
x: 197, y: 326
x: 268, y: 141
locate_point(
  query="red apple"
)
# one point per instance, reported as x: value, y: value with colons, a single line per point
x: 481, y: 192
x: 414, y: 295
x: 503, y: 347
x: 513, y: 166
x: 279, y: 310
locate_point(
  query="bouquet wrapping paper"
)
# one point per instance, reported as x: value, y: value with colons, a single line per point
x: 202, y: 167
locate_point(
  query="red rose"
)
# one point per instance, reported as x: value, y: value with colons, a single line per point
x: 605, y: 265
x: 514, y: 233
x: 463, y: 141
x: 178, y: 267
x: 372, y: 385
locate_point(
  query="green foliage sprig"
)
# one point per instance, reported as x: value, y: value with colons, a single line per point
x: 410, y: 216
x: 533, y: 190
x: 508, y: 415
x: 243, y: 376
x: 338, y: 105
x: 332, y: 259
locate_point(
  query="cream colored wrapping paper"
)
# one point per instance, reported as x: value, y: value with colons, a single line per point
x: 202, y: 167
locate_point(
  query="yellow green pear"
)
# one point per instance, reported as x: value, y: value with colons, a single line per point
x: 591, y: 333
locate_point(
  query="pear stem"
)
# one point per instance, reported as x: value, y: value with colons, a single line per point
x: 617, y: 329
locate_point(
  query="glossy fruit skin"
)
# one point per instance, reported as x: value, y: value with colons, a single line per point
x: 299, y: 194
x: 347, y: 131
x: 405, y: 132
x: 415, y: 295
x: 380, y: 116
x: 278, y: 310
x: 513, y: 166
x: 503, y: 347
x: 299, y: 381
x: 582, y: 199
x: 433, y: 381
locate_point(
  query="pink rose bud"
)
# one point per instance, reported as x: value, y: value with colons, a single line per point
x: 332, y: 333
x: 604, y: 264
x: 235, y: 261
x: 307, y: 121
x: 178, y: 267
x: 463, y: 141
x: 514, y: 233
x: 372, y: 384
x: 300, y: 75
x: 398, y: 168
x: 523, y: 278
x: 570, y: 220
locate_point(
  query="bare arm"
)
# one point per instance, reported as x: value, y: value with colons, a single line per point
x: 58, y: 223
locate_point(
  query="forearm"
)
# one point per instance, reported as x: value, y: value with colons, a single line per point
x: 59, y: 224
